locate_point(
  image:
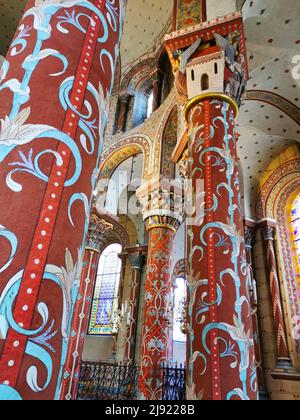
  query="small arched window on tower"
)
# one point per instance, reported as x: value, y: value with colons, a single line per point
x: 216, y: 68
x: 193, y: 75
x: 204, y: 82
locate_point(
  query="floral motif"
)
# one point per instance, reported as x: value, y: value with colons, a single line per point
x: 15, y: 132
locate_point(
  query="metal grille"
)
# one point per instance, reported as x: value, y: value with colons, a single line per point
x: 174, y: 383
x: 104, y: 381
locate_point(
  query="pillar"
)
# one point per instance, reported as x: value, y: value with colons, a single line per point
x: 97, y: 236
x: 221, y: 360
x: 123, y: 108
x: 250, y: 235
x: 136, y: 260
x: 54, y: 90
x: 283, y: 356
x: 162, y: 223
x: 157, y: 86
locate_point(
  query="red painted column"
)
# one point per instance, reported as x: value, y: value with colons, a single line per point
x: 220, y: 359
x: 54, y: 89
x: 96, y: 238
x: 158, y: 290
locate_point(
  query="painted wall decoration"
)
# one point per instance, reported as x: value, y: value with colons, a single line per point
x: 169, y: 142
x: 189, y: 13
x: 280, y: 185
x: 54, y: 89
x: 221, y: 362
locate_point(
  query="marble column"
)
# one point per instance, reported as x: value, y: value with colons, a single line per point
x: 122, y: 114
x: 250, y: 236
x: 221, y: 359
x: 136, y: 260
x: 97, y: 236
x: 157, y: 86
x: 283, y: 357
x: 53, y: 97
x: 162, y: 222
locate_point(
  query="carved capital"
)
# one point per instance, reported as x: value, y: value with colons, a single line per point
x: 250, y: 236
x: 98, y: 233
x: 136, y: 260
x: 269, y: 233
x: 162, y: 203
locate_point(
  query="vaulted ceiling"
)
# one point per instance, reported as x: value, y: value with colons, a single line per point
x: 268, y: 122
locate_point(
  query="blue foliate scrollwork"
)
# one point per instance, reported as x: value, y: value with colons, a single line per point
x: 81, y: 197
x: 39, y: 340
x: 13, y: 241
x: 20, y: 40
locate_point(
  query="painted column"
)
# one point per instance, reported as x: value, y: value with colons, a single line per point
x: 250, y: 236
x: 137, y: 261
x: 54, y: 90
x: 96, y: 238
x: 123, y: 108
x: 157, y: 85
x: 221, y: 360
x: 283, y: 358
x: 162, y: 223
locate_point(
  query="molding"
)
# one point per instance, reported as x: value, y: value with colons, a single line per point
x: 275, y: 100
x: 207, y: 96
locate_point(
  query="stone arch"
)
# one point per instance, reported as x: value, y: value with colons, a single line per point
x: 179, y: 269
x: 122, y: 150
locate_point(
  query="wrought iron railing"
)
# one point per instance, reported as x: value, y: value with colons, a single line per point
x: 111, y: 381
x: 105, y: 381
x: 174, y: 383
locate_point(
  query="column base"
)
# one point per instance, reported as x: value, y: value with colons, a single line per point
x: 264, y: 396
x: 284, y: 370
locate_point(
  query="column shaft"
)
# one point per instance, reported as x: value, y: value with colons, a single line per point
x: 136, y: 261
x: 123, y: 108
x: 221, y: 360
x: 250, y: 234
x: 281, y: 340
x: 155, y: 333
x: 53, y: 98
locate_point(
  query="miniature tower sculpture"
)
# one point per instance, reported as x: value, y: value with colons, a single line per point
x: 220, y: 353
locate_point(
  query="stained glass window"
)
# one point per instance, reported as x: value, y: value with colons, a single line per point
x: 296, y: 232
x: 179, y: 310
x: 106, y: 292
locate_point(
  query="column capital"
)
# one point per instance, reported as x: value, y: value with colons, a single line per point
x: 162, y: 203
x: 97, y: 233
x: 136, y: 260
x: 269, y: 233
x: 124, y: 96
x: 250, y: 236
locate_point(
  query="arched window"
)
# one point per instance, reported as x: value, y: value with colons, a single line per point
x: 106, y: 293
x: 216, y: 68
x: 204, y: 82
x: 150, y: 104
x: 180, y: 295
x: 296, y: 232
